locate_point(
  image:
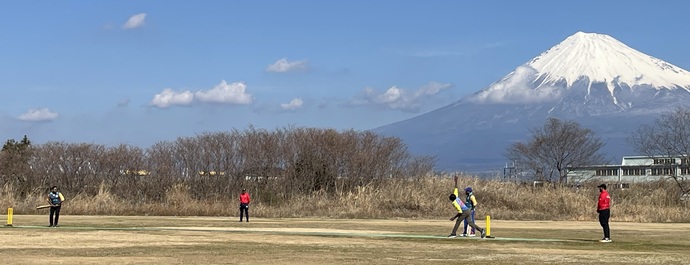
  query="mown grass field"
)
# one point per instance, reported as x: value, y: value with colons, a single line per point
x: 216, y: 240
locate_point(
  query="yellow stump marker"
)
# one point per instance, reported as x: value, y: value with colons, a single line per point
x: 488, y: 225
x: 10, y: 211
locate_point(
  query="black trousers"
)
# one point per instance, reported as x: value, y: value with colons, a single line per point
x: 244, y: 210
x: 54, y: 215
x: 604, y: 216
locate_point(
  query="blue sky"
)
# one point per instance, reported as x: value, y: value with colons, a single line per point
x: 138, y: 72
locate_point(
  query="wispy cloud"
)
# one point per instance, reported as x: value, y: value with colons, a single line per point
x: 396, y: 98
x: 432, y: 88
x: 436, y: 53
x: 223, y: 93
x: 517, y: 88
x: 285, y: 66
x: 323, y: 104
x: 294, y: 104
x: 123, y: 102
x: 235, y: 93
x: 448, y: 51
x: 43, y: 114
x: 135, y: 21
x: 494, y: 44
x: 168, y: 98
x: 109, y: 26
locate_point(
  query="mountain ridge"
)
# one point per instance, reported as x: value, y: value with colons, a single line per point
x: 477, y: 128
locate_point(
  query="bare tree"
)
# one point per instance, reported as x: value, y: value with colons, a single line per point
x: 166, y: 169
x: 274, y: 165
x: 16, y: 164
x: 555, y: 147
x: 668, y: 137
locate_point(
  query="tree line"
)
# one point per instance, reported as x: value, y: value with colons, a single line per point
x: 559, y: 145
x: 272, y: 164
x: 297, y: 161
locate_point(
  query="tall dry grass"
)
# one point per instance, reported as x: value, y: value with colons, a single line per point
x: 394, y: 198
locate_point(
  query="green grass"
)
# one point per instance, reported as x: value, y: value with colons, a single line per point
x: 214, y: 240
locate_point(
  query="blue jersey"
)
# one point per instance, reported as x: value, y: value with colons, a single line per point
x: 468, y: 200
x: 55, y: 198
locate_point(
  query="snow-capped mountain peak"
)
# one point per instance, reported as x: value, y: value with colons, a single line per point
x: 593, y: 79
x: 602, y: 58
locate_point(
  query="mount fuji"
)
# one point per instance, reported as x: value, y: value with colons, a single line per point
x: 590, y: 78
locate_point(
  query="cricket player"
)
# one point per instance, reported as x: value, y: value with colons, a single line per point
x: 604, y: 210
x: 55, y: 199
x: 463, y: 212
x: 244, y: 204
x: 471, y: 202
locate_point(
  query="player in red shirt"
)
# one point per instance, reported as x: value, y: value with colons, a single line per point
x: 604, y: 210
x: 244, y: 204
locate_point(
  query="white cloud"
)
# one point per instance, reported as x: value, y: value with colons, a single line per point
x: 398, y: 98
x: 392, y: 95
x: 168, y: 98
x: 135, y: 21
x: 294, y: 104
x: 43, y: 114
x: 283, y: 66
x: 224, y: 93
x: 517, y: 88
x: 235, y: 93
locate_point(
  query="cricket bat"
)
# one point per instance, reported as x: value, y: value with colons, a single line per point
x: 43, y: 206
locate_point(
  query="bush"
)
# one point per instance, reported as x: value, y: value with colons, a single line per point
x: 424, y: 197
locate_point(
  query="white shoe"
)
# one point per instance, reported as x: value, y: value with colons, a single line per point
x: 452, y: 236
x: 463, y: 235
x: 472, y: 235
x: 606, y: 240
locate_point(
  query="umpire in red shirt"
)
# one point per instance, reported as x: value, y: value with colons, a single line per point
x: 604, y: 210
x: 244, y: 204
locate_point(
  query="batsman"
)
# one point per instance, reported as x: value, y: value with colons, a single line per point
x: 55, y: 199
x: 471, y: 202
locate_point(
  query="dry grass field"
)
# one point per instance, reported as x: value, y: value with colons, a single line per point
x: 216, y: 240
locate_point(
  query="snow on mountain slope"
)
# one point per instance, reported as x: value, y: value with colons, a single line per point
x: 586, y: 62
x: 590, y: 78
x: 602, y: 58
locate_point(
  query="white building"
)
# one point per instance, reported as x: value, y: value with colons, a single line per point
x: 632, y: 169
